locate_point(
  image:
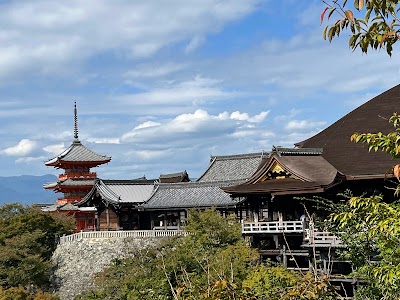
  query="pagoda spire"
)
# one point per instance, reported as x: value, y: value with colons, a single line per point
x: 76, y: 139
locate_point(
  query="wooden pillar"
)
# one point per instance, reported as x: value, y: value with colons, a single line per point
x: 108, y: 219
x: 284, y: 256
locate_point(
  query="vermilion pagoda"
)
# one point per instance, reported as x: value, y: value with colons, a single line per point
x: 77, y: 179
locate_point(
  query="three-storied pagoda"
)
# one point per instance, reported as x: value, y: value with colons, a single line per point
x: 77, y: 179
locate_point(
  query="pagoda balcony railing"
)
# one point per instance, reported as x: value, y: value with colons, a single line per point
x: 68, y: 200
x: 77, y: 175
x: 315, y: 238
x: 136, y: 234
x: 272, y: 227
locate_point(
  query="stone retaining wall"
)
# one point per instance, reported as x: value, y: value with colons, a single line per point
x: 76, y: 262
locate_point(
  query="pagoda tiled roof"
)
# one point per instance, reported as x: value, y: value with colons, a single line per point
x: 353, y: 159
x: 189, y: 195
x: 69, y: 182
x: 120, y: 191
x: 77, y: 152
x: 232, y: 167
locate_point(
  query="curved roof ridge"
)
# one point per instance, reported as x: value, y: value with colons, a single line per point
x: 197, y: 184
x: 243, y: 155
x: 155, y: 189
x: 212, y: 161
x: 103, y: 187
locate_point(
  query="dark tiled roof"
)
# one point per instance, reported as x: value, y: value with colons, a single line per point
x: 121, y: 191
x: 298, y: 151
x: 189, y: 195
x: 232, y: 167
x: 309, y: 172
x: 351, y: 158
x: 275, y: 186
x: 78, y: 153
x: 174, y: 177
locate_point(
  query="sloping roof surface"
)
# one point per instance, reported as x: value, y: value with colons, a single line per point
x: 351, y: 158
x: 121, y: 191
x: 189, y: 195
x: 174, y: 177
x: 310, y: 172
x: 231, y: 167
x: 62, y: 207
x: 78, y: 153
x: 281, y: 186
x: 69, y: 182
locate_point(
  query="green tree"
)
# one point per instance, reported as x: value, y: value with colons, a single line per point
x: 370, y: 228
x: 22, y: 294
x: 27, y: 241
x: 212, y: 262
x: 373, y: 24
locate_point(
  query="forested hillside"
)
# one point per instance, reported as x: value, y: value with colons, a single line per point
x: 26, y: 189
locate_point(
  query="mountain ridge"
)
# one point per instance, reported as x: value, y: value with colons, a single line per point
x: 26, y: 189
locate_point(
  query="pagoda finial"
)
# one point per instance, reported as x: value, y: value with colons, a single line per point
x: 76, y: 139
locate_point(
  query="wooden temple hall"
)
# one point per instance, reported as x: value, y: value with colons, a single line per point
x: 265, y: 189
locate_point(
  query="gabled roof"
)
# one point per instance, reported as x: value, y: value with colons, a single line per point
x: 174, y: 177
x: 307, y: 172
x: 120, y: 191
x: 232, y: 167
x: 78, y: 153
x: 350, y: 158
x: 189, y: 195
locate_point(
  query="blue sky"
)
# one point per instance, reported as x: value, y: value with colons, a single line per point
x: 162, y: 85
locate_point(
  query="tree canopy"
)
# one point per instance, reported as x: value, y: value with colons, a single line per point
x: 27, y: 241
x: 212, y: 262
x: 373, y: 24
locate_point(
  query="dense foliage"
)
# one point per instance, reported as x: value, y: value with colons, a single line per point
x: 212, y: 262
x: 372, y: 24
x: 27, y: 241
x: 370, y: 228
x: 22, y: 294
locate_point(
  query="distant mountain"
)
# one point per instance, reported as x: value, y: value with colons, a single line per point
x: 26, y: 189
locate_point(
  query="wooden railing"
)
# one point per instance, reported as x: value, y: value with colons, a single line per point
x: 273, y: 227
x: 138, y: 234
x: 77, y: 175
x: 322, y: 239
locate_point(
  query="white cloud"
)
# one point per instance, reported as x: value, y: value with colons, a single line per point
x: 147, y: 124
x: 190, y: 125
x: 45, y: 35
x: 237, y: 115
x: 259, y: 118
x: 29, y: 159
x: 148, y: 154
x: 154, y: 71
x: 194, y: 44
x: 304, y: 124
x: 55, y: 148
x: 197, y: 90
x: 24, y: 147
x: 103, y: 140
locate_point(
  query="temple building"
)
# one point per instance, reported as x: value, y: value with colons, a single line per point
x: 76, y: 161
